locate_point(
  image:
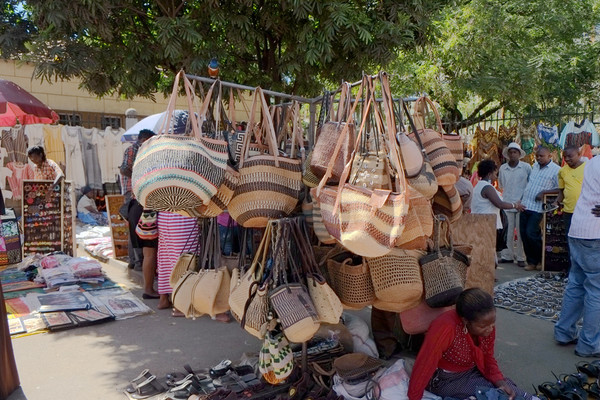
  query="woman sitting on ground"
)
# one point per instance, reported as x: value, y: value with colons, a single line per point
x: 457, y: 356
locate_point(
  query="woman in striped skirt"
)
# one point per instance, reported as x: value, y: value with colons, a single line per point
x: 177, y: 234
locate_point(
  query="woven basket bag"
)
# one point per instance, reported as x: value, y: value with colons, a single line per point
x: 444, y: 270
x: 270, y: 185
x: 397, y: 278
x: 179, y: 173
x: 447, y: 201
x: 418, y: 226
x: 442, y: 160
x: 352, y: 283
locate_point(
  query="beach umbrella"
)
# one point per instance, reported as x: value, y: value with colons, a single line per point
x: 178, y: 126
x: 19, y: 106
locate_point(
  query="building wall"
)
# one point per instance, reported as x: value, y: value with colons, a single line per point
x: 67, y: 99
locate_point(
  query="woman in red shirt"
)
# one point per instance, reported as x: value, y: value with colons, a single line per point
x: 457, y: 356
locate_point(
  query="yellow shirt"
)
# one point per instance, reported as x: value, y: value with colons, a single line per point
x: 570, y: 181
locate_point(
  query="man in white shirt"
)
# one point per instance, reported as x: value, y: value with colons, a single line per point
x: 542, y: 180
x: 512, y: 180
x: 582, y: 294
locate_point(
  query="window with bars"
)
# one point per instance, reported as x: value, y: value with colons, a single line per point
x: 69, y: 119
x: 110, y: 121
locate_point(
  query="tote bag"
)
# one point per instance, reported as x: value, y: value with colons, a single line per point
x: 179, y: 173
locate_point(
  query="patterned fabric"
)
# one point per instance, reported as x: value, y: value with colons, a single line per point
x: 540, y: 179
x: 20, y: 172
x: 14, y: 142
x: 48, y: 172
x: 128, y: 160
x: 579, y: 134
x: 548, y: 134
x: 176, y: 235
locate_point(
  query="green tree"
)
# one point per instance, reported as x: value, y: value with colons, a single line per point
x: 519, y: 54
x: 132, y: 47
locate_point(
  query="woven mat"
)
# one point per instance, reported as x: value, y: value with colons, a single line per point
x: 540, y: 296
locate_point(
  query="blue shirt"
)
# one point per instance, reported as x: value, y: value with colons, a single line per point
x: 540, y: 179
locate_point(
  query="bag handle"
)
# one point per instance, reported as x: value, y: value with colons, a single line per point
x: 251, y: 129
x: 415, y: 131
x: 442, y: 220
x: 421, y: 107
x: 340, y: 141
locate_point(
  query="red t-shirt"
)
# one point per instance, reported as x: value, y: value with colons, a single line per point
x: 448, y: 347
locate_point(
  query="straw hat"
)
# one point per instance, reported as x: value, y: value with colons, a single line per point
x: 513, y: 145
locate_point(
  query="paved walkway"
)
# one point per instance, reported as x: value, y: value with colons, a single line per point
x: 96, y: 362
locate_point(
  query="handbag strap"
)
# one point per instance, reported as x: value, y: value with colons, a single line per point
x: 442, y: 221
x: 415, y: 131
x: 251, y: 129
x: 338, y: 145
x: 421, y: 108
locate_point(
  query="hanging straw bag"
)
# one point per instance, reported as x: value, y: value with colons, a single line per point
x: 447, y: 201
x: 351, y: 281
x: 425, y: 182
x: 327, y: 304
x: 243, y: 282
x: 276, y: 359
x: 441, y: 158
x: 179, y: 173
x: 211, y: 295
x: 186, y: 261
x: 330, y: 133
x: 270, y: 185
x: 419, y: 223
x: 397, y: 278
x: 444, y: 270
x: 290, y: 300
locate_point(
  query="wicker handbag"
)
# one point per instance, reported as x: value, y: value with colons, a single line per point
x: 447, y: 201
x: 397, y: 278
x: 454, y: 143
x: 270, y: 185
x: 444, y: 270
x: 441, y: 158
x: 242, y: 282
x: 372, y: 219
x: 211, y: 295
x: 327, y: 304
x: 425, y: 182
x: 290, y: 300
x: 330, y: 134
x: 351, y: 281
x: 419, y: 223
x: 179, y: 173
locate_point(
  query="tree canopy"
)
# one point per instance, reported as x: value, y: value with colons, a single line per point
x: 506, y: 53
x: 132, y: 46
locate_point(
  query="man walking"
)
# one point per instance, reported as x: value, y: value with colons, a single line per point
x: 542, y: 180
x: 582, y: 294
x: 512, y: 180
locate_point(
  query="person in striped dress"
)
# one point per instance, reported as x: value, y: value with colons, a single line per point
x: 177, y: 234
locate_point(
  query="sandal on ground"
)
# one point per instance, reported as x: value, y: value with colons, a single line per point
x: 150, y: 387
x: 574, y: 393
x: 577, y: 379
x: 144, y: 375
x: 593, y: 389
x: 588, y: 368
x: 220, y: 369
x: 550, y: 390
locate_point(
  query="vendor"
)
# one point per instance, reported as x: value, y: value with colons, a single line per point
x: 87, y: 212
x: 44, y: 169
x: 458, y: 353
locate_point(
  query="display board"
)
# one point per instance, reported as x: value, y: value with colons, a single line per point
x: 555, y: 249
x: 119, y: 228
x: 48, y: 217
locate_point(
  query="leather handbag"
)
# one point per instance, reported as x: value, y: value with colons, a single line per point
x: 179, y: 173
x: 444, y: 269
x: 442, y: 160
x: 270, y: 184
x: 339, y: 130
